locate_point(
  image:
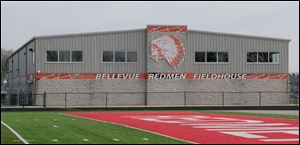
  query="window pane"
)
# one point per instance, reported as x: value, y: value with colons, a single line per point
x: 131, y: 56
x: 200, y: 57
x: 120, y: 56
x: 108, y: 56
x: 64, y: 56
x: 274, y: 57
x: 263, y: 57
x: 77, y: 56
x: 211, y: 56
x: 52, y: 56
x: 251, y: 57
x: 222, y: 56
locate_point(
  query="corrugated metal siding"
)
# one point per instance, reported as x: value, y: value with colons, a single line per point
x: 22, y: 57
x: 25, y: 59
x: 92, y: 47
x: 20, y: 65
x: 30, y: 55
x: 237, y: 47
x: 15, y: 65
x: 10, y: 72
x: 15, y: 71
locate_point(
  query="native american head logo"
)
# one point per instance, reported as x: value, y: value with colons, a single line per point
x: 168, y: 47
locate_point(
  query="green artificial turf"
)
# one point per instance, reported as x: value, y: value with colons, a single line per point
x: 52, y: 128
x: 8, y: 137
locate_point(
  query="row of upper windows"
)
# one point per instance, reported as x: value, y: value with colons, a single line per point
x: 222, y: 57
x: 131, y: 56
x: 263, y: 57
x: 76, y: 56
x: 119, y: 56
x: 211, y: 56
x: 64, y: 56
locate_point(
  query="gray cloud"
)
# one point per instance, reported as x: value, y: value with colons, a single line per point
x: 20, y: 21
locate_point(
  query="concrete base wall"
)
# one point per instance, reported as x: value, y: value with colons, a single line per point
x: 162, y: 92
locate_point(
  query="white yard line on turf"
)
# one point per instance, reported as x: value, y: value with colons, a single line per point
x: 15, y: 133
x: 131, y: 127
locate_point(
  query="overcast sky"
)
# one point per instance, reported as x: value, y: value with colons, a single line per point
x: 20, y: 21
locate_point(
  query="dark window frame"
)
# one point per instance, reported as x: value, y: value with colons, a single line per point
x: 125, y: 55
x: 75, y: 60
x: 57, y: 56
x: 267, y: 60
x: 135, y: 59
x: 206, y: 57
x: 261, y: 55
x: 200, y: 58
x: 218, y: 57
x: 117, y: 54
x: 271, y: 57
x: 214, y: 60
x: 112, y: 54
x: 256, y: 57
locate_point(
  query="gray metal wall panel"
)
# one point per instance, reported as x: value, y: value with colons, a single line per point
x: 92, y: 47
x: 125, y: 41
x: 22, y: 65
x: 15, y: 65
x: 15, y: 71
x: 30, y: 58
x: 237, y: 46
x: 10, y: 77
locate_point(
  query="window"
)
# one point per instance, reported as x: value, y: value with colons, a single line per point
x: 274, y: 57
x: 200, y: 57
x: 252, y: 57
x: 64, y: 56
x: 76, y: 56
x: 211, y: 56
x: 52, y: 56
x: 108, y: 56
x: 263, y: 57
x: 222, y: 56
x: 131, y: 56
x: 119, y: 56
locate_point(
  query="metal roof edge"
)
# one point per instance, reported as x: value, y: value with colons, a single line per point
x: 16, y: 51
x: 87, y: 33
x: 235, y: 34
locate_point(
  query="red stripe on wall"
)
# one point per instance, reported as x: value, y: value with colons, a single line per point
x: 145, y: 76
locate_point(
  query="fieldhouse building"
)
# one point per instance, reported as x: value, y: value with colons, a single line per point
x: 160, y: 63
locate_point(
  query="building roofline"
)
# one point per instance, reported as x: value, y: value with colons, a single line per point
x: 242, y: 35
x: 129, y: 30
x: 87, y: 33
x: 16, y: 51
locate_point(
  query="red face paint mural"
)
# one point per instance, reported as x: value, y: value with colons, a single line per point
x: 168, y: 47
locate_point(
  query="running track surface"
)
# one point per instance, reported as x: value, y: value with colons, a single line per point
x: 206, y: 128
